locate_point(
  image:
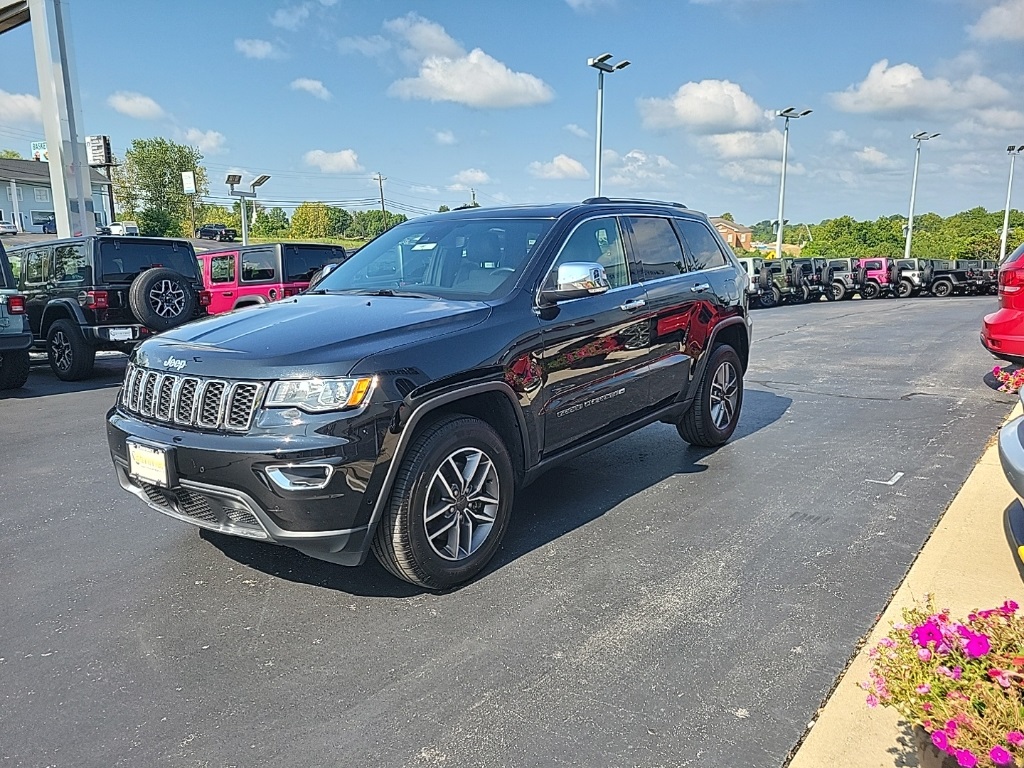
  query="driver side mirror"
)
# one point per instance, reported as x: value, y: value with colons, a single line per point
x: 575, y: 280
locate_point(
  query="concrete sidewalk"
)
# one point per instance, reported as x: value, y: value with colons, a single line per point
x: 967, y: 563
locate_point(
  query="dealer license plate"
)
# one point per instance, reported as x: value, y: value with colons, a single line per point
x: 120, y: 334
x: 148, y: 464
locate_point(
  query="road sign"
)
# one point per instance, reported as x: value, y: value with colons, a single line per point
x: 97, y: 150
x: 39, y: 151
x: 188, y: 182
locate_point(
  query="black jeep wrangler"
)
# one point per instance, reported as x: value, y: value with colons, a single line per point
x: 90, y: 293
x: 399, y: 404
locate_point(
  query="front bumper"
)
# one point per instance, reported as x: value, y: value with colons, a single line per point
x: 232, y: 483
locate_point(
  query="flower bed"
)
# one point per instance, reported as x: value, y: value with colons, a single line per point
x: 1011, y: 378
x: 961, y: 681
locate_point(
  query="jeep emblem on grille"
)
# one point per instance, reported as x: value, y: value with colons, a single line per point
x: 172, y: 362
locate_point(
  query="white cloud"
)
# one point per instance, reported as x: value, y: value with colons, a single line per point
x: 446, y: 138
x: 707, y: 107
x: 423, y: 39
x: 343, y: 161
x: 471, y: 176
x: 762, y: 172
x: 636, y: 169
x: 561, y: 167
x: 291, y: 17
x: 839, y: 139
x: 367, y: 46
x: 1004, y: 21
x: 994, y: 121
x: 209, y: 142
x: 872, y: 157
x: 20, y: 107
x: 312, y: 87
x: 135, y: 105
x: 476, y: 80
x: 575, y: 130
x: 903, y: 90
x: 588, y: 5
x: 430, y: 190
x: 257, y: 49
x: 741, y: 144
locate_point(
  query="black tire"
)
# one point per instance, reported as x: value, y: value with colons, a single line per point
x: 770, y: 298
x: 870, y: 290
x: 838, y: 290
x: 905, y: 289
x: 862, y: 278
x: 402, y: 543
x: 71, y: 357
x: 162, y: 298
x: 942, y: 288
x: 800, y: 295
x: 14, y: 369
x: 764, y: 277
x: 702, y: 425
x: 927, y: 274
x: 827, y: 282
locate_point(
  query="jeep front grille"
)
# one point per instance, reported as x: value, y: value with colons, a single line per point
x: 191, y: 401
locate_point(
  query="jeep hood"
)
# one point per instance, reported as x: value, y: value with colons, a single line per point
x: 323, y: 335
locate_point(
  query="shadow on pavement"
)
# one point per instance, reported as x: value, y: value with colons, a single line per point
x: 1013, y: 527
x: 566, y: 498
x: 42, y: 382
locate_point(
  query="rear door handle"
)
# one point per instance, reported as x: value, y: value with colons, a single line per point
x: 632, y: 305
x: 700, y: 287
x: 228, y: 293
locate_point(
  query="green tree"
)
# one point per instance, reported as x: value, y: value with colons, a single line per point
x: 271, y: 223
x: 443, y: 209
x: 156, y: 222
x: 728, y: 217
x: 338, y: 220
x: 10, y: 154
x: 369, y: 224
x: 149, y: 179
x: 311, y: 220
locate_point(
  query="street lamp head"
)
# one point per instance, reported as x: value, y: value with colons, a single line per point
x: 1015, y: 150
x: 261, y: 180
x: 233, y: 178
x: 924, y: 136
x: 805, y: 113
x: 791, y: 112
x: 599, y: 59
x: 622, y: 64
x: 601, y: 63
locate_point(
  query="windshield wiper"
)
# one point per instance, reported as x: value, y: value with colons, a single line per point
x: 392, y: 292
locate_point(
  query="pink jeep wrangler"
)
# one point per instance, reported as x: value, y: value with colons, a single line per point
x: 878, y: 278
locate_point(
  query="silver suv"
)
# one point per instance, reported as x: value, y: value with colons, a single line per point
x: 15, y: 336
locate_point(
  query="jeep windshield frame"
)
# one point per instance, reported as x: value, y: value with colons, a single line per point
x: 460, y: 259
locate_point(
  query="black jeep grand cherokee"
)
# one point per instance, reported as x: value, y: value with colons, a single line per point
x: 400, y: 404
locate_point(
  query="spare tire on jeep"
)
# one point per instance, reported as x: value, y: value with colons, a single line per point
x: 162, y: 298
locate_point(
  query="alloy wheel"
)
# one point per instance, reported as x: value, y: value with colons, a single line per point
x: 167, y: 298
x: 62, y: 353
x: 724, y: 395
x: 461, y: 504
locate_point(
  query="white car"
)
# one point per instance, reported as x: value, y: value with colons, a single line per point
x: 124, y: 228
x: 7, y: 228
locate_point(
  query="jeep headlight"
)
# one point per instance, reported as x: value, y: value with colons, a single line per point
x: 317, y: 395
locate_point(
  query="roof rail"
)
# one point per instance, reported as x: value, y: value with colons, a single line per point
x: 602, y: 199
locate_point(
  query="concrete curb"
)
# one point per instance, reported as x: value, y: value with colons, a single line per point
x: 966, y: 563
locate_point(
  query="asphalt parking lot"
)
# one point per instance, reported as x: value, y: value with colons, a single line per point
x: 653, y: 605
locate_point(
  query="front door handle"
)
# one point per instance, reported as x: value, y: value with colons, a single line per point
x: 228, y: 293
x: 700, y: 287
x: 632, y: 305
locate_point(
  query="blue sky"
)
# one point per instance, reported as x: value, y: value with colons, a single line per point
x: 497, y: 97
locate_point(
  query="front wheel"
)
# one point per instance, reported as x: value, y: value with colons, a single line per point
x: 450, y: 505
x: 715, y: 412
x: 14, y: 369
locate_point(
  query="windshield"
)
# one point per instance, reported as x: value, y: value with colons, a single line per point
x: 450, y: 258
x: 121, y: 260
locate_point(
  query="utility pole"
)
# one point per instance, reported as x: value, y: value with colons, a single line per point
x: 380, y: 181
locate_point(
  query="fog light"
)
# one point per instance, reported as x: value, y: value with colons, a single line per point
x: 300, y: 477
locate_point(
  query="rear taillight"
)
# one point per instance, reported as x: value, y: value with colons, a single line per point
x: 1011, y: 279
x: 204, y: 298
x: 289, y: 292
x: 94, y: 299
x: 16, y: 305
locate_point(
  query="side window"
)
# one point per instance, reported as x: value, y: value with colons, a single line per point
x: 657, y: 247
x: 873, y: 265
x: 222, y: 269
x: 701, y: 244
x: 37, y: 266
x: 839, y: 265
x: 597, y: 240
x: 258, y: 266
x: 906, y: 264
x: 70, y: 264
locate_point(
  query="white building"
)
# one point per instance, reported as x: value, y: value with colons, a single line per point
x: 26, y: 198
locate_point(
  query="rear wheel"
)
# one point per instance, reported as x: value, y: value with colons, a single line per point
x: 715, y: 412
x: 450, y: 505
x: 870, y: 290
x: 942, y: 288
x: 838, y: 291
x: 905, y: 289
x: 770, y: 298
x: 71, y: 357
x: 14, y: 369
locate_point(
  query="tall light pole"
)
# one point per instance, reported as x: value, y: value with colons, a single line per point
x: 241, y: 194
x: 918, y: 137
x: 789, y: 113
x: 1012, y: 151
x: 600, y: 63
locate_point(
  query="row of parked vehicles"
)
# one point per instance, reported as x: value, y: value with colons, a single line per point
x: 72, y: 298
x: 799, y: 280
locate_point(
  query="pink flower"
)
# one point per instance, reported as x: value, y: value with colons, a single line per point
x: 966, y: 758
x: 887, y: 642
x: 872, y: 700
x: 996, y: 370
x: 942, y: 669
x: 1000, y: 677
x: 928, y: 632
x: 924, y: 654
x: 1015, y: 737
x: 1009, y: 607
x: 923, y: 688
x: 957, y: 672
x: 977, y: 646
x: 951, y: 728
x: 927, y: 707
x: 999, y: 755
x: 940, y: 741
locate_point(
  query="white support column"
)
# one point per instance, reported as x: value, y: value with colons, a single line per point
x: 17, y: 208
x: 62, y: 119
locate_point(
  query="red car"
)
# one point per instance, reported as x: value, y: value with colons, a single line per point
x: 1002, y: 332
